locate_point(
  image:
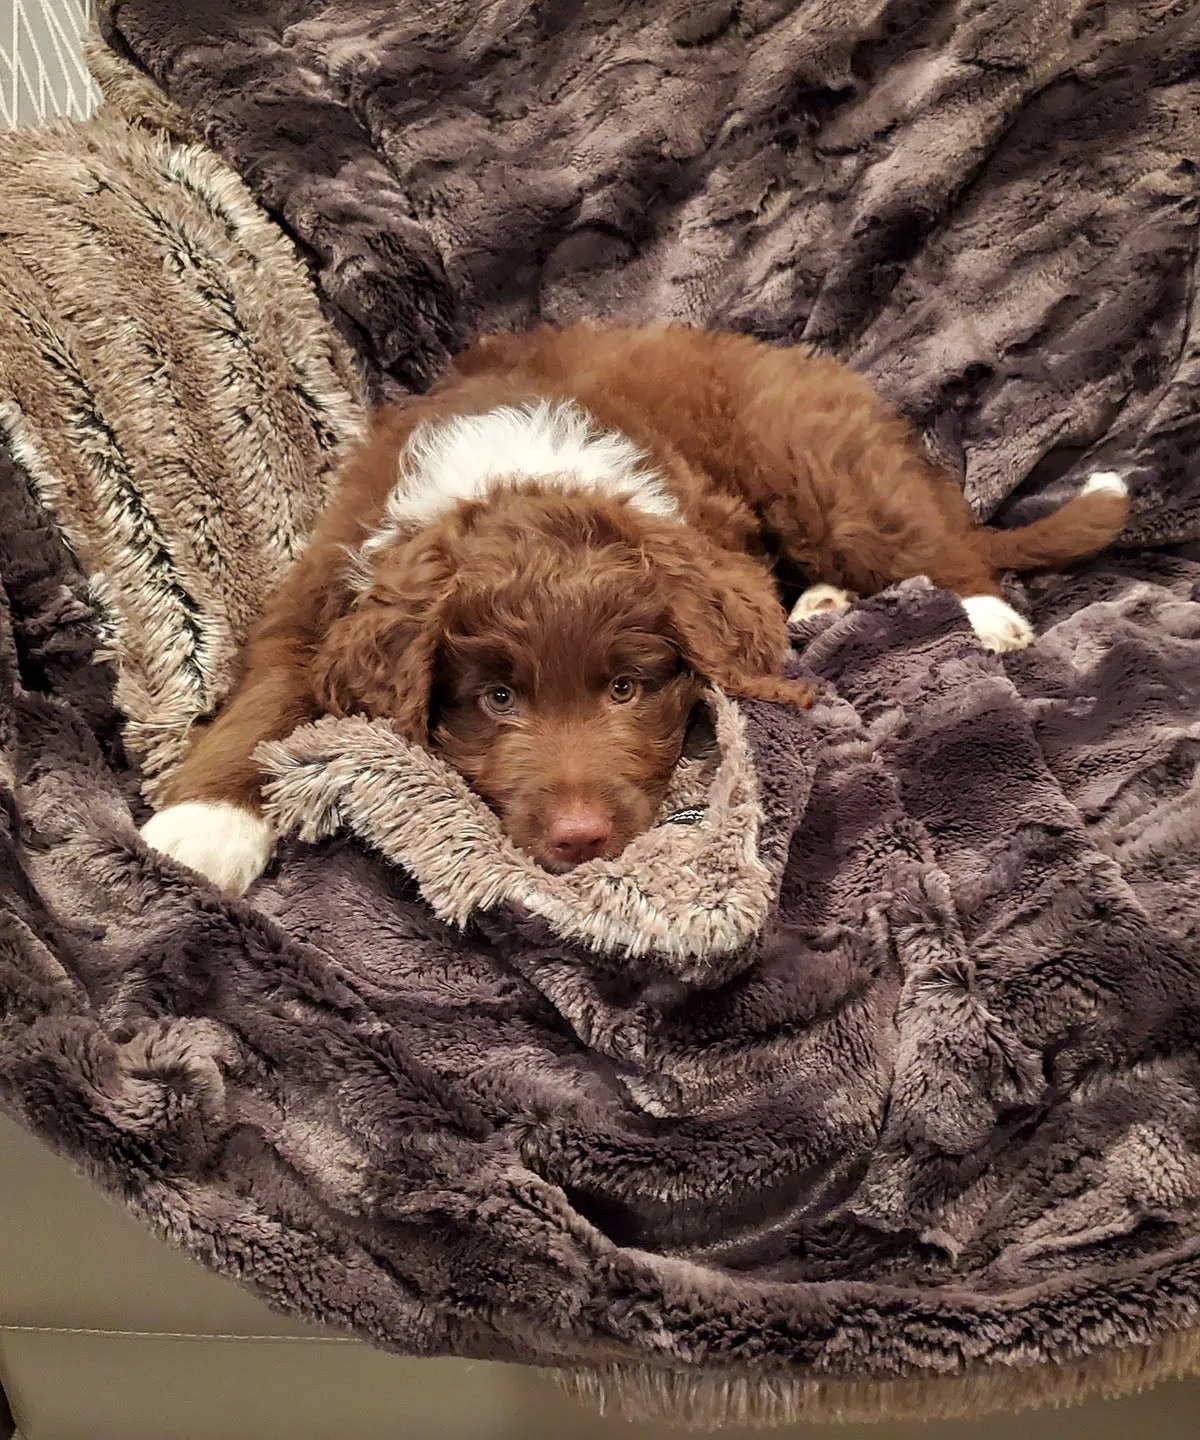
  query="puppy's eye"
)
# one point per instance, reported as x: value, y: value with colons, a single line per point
x: 499, y: 699
x: 624, y: 689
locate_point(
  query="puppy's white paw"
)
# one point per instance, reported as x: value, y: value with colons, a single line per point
x: 228, y: 845
x: 997, y: 624
x: 816, y: 599
x: 1105, y: 481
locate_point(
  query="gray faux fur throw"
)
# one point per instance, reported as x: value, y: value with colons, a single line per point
x: 887, y: 1066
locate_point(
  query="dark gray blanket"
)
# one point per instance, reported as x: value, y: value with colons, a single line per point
x: 945, y: 1108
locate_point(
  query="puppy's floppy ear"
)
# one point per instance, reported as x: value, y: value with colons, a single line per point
x: 726, y: 615
x: 378, y: 658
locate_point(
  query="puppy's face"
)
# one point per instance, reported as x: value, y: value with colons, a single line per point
x: 565, y: 705
x: 552, y: 648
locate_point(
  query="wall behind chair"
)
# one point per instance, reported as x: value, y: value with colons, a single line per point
x: 42, y: 71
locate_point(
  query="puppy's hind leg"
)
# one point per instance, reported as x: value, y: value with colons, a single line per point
x: 999, y: 627
x: 997, y: 624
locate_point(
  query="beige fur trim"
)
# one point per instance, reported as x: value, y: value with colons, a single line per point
x: 712, y: 1401
x: 687, y: 893
x: 176, y: 397
x: 130, y: 94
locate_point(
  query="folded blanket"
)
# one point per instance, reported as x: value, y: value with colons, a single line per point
x: 886, y: 1065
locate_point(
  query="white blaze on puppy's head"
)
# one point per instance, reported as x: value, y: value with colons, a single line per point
x: 558, y: 444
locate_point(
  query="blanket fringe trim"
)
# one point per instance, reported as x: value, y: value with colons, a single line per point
x: 705, y: 1402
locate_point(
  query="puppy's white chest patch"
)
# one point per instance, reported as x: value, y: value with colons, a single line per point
x: 557, y: 443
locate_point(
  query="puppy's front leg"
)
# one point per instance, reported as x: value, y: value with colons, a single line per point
x: 213, y: 821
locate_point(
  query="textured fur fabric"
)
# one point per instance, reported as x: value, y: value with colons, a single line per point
x: 941, y: 1112
x: 167, y: 380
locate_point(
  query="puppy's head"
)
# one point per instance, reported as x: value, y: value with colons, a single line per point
x: 552, y: 647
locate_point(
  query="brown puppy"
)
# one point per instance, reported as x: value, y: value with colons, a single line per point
x: 536, y: 568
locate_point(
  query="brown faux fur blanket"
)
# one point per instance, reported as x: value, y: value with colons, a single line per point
x: 889, y: 1064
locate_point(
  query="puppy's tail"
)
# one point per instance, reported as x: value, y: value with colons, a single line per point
x: 1085, y: 524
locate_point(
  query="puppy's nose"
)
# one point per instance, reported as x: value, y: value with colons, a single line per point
x: 578, y: 834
